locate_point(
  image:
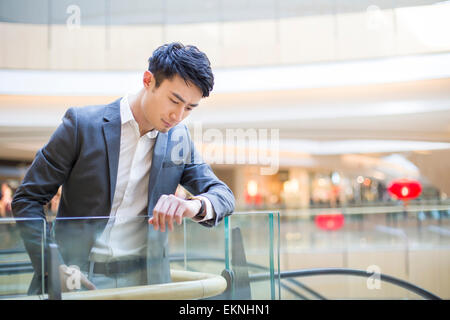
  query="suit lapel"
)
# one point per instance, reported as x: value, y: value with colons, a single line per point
x: 111, y: 133
x: 159, y: 153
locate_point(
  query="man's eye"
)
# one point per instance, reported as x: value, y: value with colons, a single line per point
x: 176, y: 102
x: 189, y: 109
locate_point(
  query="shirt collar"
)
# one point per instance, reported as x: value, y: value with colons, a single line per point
x: 126, y: 116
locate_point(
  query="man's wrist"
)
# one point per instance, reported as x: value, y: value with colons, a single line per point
x: 208, y: 210
x: 202, y: 210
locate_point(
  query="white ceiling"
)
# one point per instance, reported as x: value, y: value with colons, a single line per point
x: 355, y: 107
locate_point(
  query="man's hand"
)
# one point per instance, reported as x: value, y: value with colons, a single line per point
x: 70, y: 277
x: 170, y: 208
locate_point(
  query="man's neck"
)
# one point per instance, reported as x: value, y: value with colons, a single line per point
x: 134, y: 100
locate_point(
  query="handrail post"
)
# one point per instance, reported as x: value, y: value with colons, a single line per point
x: 54, y: 283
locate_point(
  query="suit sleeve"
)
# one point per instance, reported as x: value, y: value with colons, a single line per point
x: 48, y: 171
x: 199, y: 179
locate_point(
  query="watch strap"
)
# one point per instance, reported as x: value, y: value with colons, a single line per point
x: 202, y: 210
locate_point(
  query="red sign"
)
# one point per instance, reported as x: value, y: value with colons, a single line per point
x: 405, y: 189
x: 256, y: 199
x: 329, y: 221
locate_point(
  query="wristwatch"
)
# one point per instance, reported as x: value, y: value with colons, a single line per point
x: 202, y: 210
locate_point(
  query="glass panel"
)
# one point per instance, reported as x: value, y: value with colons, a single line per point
x: 16, y: 269
x: 370, y: 244
x: 194, y: 247
x: 255, y: 255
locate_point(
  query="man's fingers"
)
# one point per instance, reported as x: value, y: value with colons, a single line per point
x: 162, y: 213
x: 156, y: 210
x: 168, y: 209
x: 179, y: 213
x: 169, y: 215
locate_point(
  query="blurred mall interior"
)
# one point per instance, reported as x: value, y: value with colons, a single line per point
x: 318, y: 107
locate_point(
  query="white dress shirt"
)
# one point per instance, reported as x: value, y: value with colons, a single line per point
x: 125, y: 235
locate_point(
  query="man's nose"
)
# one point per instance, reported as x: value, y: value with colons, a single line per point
x: 177, y: 115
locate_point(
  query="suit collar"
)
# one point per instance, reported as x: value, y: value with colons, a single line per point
x: 111, y: 134
x: 112, y: 111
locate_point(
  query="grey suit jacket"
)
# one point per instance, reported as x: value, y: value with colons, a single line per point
x: 82, y: 155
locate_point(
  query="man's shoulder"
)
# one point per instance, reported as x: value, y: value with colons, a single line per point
x: 92, y: 110
x: 94, y: 113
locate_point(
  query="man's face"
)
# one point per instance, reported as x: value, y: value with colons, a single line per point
x: 164, y: 107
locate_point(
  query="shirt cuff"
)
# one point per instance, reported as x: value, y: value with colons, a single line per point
x: 210, y: 214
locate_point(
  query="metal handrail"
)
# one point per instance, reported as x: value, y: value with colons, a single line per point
x: 332, y: 271
x: 354, y: 272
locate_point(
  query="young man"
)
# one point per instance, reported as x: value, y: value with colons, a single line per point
x: 122, y: 160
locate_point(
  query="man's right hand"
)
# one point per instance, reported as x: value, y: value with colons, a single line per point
x: 72, y: 278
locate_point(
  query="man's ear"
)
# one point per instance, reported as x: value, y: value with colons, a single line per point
x: 148, y: 79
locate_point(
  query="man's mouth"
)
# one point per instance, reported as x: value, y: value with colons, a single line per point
x: 168, y: 125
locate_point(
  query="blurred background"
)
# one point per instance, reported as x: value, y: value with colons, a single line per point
x: 352, y: 97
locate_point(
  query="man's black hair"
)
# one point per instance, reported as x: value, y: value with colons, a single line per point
x: 187, y: 61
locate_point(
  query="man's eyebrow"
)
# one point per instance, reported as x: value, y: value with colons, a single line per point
x: 182, y: 100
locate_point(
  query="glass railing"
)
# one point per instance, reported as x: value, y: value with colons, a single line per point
x: 16, y: 270
x: 351, y: 253
x: 82, y: 256
x: 341, y: 253
x: 257, y: 236
x: 246, y: 243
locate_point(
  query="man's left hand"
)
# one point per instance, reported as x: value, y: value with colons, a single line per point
x: 170, y: 208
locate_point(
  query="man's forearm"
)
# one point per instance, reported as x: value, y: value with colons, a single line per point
x: 34, y: 231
